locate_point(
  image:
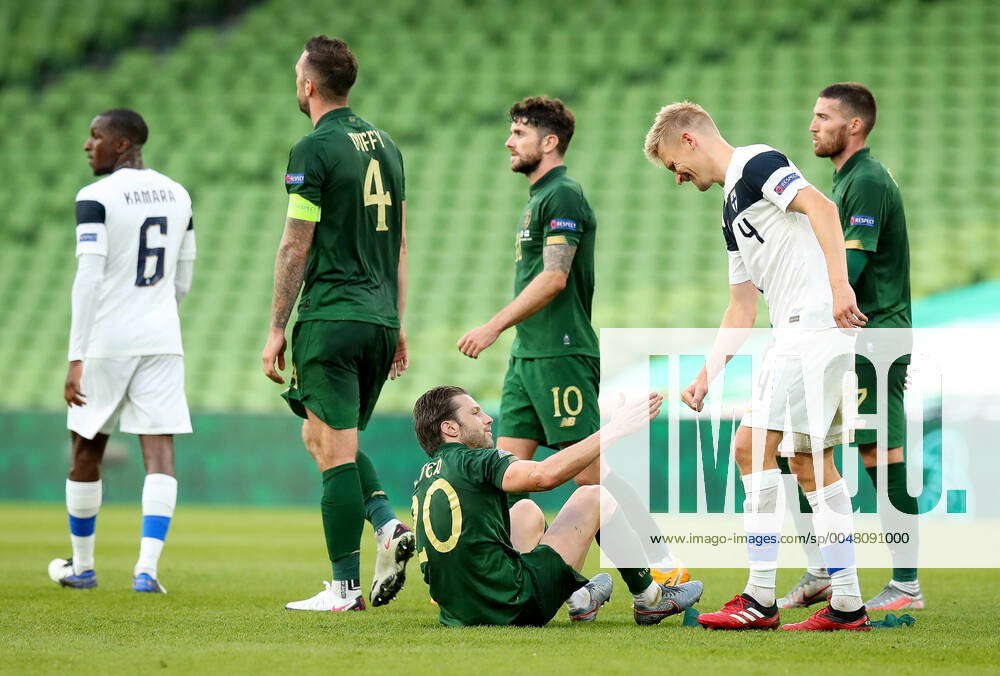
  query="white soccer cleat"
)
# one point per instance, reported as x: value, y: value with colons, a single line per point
x: 395, y: 544
x: 335, y: 598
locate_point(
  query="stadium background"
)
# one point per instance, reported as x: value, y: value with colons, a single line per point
x: 214, y: 80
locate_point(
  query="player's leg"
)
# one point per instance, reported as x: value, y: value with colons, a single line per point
x: 903, y: 590
x: 527, y: 525
x: 755, y: 452
x: 159, y: 499
x: 83, y: 501
x: 519, y: 430
x: 104, y: 382
x: 814, y: 584
x: 833, y: 523
x: 156, y: 409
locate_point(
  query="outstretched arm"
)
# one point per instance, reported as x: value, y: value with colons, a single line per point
x: 558, y: 468
x: 822, y: 215
x: 289, y: 270
x: 557, y: 260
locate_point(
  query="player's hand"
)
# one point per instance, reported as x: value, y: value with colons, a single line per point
x: 631, y: 413
x: 477, y: 340
x: 274, y: 351
x: 71, y: 390
x: 401, y: 361
x: 845, y: 308
x: 695, y: 393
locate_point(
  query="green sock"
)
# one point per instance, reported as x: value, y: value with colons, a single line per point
x: 636, y: 579
x: 803, y: 502
x: 901, y: 500
x: 378, y: 512
x: 343, y: 520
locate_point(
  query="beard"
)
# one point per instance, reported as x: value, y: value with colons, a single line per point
x: 834, y: 146
x: 476, y: 438
x: 303, y: 105
x: 526, y: 164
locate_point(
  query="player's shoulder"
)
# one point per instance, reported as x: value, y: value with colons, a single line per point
x: 177, y: 187
x: 98, y: 191
x: 871, y: 172
x: 760, y: 159
x: 566, y: 189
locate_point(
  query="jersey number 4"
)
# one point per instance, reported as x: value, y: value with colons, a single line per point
x: 142, y: 278
x: 375, y: 194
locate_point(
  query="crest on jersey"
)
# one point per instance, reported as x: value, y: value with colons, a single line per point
x: 294, y: 179
x: 866, y: 221
x: 785, y: 182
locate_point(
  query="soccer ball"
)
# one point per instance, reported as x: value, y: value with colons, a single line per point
x: 59, y: 568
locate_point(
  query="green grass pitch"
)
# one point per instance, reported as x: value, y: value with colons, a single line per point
x: 229, y: 570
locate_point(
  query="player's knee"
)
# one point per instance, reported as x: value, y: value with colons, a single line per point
x: 528, y: 513
x: 743, y: 452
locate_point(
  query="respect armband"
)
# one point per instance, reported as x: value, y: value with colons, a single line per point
x: 302, y: 209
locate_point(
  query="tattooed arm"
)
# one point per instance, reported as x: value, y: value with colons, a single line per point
x: 557, y: 259
x: 289, y: 270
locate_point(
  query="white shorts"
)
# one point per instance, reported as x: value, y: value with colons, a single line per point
x: 145, y: 393
x: 799, y: 389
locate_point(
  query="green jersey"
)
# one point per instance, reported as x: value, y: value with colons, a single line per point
x: 871, y: 214
x: 463, y: 536
x: 347, y: 176
x: 557, y: 213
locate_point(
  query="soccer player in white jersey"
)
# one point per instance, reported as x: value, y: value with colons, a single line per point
x: 135, y: 252
x: 784, y: 240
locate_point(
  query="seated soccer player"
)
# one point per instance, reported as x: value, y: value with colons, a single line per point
x: 490, y: 565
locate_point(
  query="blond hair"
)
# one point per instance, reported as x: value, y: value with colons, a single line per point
x: 675, y: 118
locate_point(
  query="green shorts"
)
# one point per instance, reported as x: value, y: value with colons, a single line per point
x: 552, y: 581
x: 552, y: 400
x: 338, y: 369
x: 867, y: 397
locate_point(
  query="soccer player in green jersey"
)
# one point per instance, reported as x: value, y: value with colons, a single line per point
x: 487, y: 564
x: 344, y: 246
x: 878, y: 260
x: 550, y: 390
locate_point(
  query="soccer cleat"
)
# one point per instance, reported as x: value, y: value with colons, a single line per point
x: 672, y: 577
x: 396, y: 545
x: 893, y: 598
x: 740, y: 613
x: 670, y: 601
x: 143, y: 582
x: 807, y: 591
x: 828, y: 619
x: 335, y: 597
x: 61, y: 571
x: 600, y: 593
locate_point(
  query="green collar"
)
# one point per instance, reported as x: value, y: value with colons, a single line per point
x: 549, y: 176
x: 851, y: 162
x: 334, y: 114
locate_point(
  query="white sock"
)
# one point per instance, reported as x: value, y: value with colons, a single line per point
x: 912, y: 588
x: 580, y: 598
x: 833, y: 521
x: 804, y: 527
x: 159, y: 497
x: 817, y: 572
x: 762, y: 523
x: 386, y: 531
x: 649, y: 595
x: 83, y: 501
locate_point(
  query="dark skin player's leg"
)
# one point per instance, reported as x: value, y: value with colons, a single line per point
x: 158, y: 453
x: 85, y: 464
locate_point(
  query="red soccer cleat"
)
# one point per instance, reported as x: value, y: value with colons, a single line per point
x: 742, y: 612
x: 828, y: 619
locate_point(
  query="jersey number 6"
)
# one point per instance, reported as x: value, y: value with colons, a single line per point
x: 145, y: 252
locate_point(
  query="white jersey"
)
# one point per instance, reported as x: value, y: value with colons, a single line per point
x: 770, y: 246
x: 140, y: 220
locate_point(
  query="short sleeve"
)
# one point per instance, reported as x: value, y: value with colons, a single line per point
x: 861, y: 215
x: 488, y: 466
x: 737, y: 268
x: 189, y: 250
x: 304, y: 181
x: 777, y: 179
x: 564, y: 216
x: 91, y: 231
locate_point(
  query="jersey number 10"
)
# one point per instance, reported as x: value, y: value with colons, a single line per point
x: 375, y: 195
x: 145, y: 252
